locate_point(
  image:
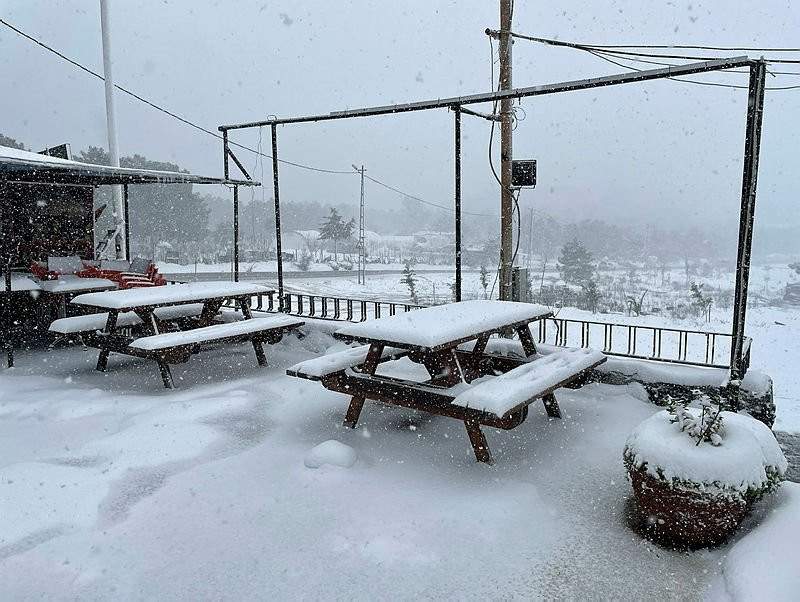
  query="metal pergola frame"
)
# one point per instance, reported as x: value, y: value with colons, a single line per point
x: 740, y: 351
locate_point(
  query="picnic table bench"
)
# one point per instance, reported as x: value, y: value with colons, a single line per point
x: 466, y: 382
x: 175, y: 322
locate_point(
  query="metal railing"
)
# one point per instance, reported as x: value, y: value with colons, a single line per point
x: 672, y: 345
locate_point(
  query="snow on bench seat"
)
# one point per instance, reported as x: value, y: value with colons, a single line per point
x: 92, y: 322
x: 325, y: 365
x: 501, y: 394
x: 215, y: 333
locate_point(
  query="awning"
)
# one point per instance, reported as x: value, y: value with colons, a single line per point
x: 23, y: 166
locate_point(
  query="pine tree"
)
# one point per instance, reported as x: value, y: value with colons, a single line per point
x: 335, y: 228
x: 409, y: 280
x: 575, y: 263
x: 485, y: 281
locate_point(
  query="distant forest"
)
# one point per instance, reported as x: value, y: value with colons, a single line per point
x: 177, y: 217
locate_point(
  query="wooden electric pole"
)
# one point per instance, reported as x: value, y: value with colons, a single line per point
x: 506, y: 152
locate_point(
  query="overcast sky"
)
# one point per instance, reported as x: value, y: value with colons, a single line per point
x: 661, y: 152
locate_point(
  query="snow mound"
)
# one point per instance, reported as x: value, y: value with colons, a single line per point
x: 748, y: 446
x: 764, y: 564
x: 331, y: 452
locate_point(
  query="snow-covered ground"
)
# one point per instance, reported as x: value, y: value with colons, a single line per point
x: 113, y: 488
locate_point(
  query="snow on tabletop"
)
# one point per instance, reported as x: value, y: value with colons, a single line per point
x: 747, y: 447
x: 502, y: 393
x: 213, y: 332
x: 443, y: 324
x: 73, y: 284
x: 334, y: 362
x: 764, y: 564
x: 22, y: 282
x: 170, y: 293
x: 330, y: 452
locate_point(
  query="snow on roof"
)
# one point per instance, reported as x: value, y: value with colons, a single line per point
x: 25, y: 166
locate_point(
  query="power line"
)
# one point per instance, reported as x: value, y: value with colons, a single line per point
x: 602, y: 55
x: 159, y: 108
x: 587, y: 47
x: 216, y: 135
x: 423, y: 201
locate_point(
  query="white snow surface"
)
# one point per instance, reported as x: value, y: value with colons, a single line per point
x: 171, y: 293
x: 22, y: 282
x: 68, y: 283
x: 73, y: 324
x: 763, y: 565
x: 738, y: 463
x: 336, y: 361
x: 500, y: 394
x: 215, y: 332
x: 113, y: 488
x: 331, y: 452
x: 443, y: 324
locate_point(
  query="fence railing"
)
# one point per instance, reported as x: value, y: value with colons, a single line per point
x: 672, y: 345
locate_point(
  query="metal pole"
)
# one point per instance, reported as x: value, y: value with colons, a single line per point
x: 126, y: 206
x: 506, y: 153
x: 277, y: 191
x: 235, y: 233
x: 752, y: 144
x: 457, y: 110
x: 111, y: 124
x: 5, y: 231
x: 362, y: 249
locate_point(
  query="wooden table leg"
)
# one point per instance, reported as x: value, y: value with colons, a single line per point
x: 479, y: 443
x: 526, y: 338
x: 111, y: 327
x: 353, y: 411
x: 551, y: 406
x: 357, y: 401
x: 259, y: 349
x: 166, y: 375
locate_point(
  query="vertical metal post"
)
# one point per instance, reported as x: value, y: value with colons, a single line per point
x: 226, y: 174
x: 126, y: 209
x: 457, y: 110
x: 277, y: 191
x: 752, y: 145
x: 111, y: 124
x: 5, y: 234
x: 235, y: 233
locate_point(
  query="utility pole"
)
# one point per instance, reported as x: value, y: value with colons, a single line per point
x: 506, y: 153
x: 362, y: 247
x: 111, y: 123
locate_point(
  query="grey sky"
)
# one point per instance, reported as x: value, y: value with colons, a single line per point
x: 660, y: 152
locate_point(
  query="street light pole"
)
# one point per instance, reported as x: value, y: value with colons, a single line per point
x: 111, y: 123
x: 362, y: 249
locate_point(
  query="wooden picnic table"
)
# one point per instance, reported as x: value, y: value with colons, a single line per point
x: 450, y: 341
x: 171, y: 335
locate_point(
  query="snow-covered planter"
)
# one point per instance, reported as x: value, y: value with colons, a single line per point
x: 696, y: 472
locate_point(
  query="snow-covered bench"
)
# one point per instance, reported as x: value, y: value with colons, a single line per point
x: 514, y: 390
x: 79, y: 325
x: 324, y: 366
x: 177, y: 347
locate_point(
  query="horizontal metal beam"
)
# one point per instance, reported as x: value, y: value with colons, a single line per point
x: 582, y: 84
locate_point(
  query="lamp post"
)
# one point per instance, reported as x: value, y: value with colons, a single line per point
x: 362, y: 249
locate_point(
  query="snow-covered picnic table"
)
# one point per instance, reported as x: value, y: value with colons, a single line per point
x: 460, y: 376
x: 171, y: 335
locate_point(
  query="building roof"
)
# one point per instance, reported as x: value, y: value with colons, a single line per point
x: 23, y: 166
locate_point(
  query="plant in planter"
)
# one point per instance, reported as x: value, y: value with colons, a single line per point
x: 697, y: 471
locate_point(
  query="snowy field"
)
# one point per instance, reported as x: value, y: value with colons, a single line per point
x: 115, y: 488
